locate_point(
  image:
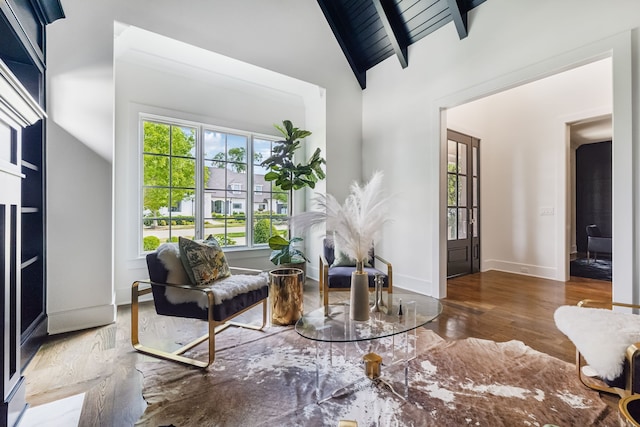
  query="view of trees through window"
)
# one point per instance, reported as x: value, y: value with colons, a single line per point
x: 199, y: 181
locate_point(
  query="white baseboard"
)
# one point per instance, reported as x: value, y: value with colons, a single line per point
x: 519, y: 268
x: 412, y: 284
x: 313, y: 272
x: 82, y: 318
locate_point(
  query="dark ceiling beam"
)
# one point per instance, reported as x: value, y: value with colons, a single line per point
x: 51, y: 10
x: 394, y: 28
x: 459, y: 17
x: 361, y: 75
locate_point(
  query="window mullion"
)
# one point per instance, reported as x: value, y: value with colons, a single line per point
x: 199, y: 192
x: 250, y: 192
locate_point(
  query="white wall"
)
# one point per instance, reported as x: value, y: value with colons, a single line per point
x: 509, y: 43
x: 292, y: 38
x: 524, y: 167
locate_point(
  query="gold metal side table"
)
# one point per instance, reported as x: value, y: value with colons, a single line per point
x: 286, y: 295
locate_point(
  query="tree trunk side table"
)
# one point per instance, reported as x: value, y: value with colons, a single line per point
x: 286, y: 295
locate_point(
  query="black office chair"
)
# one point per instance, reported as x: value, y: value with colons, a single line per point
x: 596, y: 243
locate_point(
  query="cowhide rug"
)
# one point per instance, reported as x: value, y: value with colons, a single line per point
x: 268, y: 379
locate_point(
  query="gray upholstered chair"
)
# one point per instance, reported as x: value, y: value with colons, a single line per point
x: 218, y: 315
x: 596, y: 243
x: 338, y: 277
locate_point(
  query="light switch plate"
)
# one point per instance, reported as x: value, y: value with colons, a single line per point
x: 546, y: 211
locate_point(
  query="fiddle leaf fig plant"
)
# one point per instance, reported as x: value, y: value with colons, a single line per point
x: 289, y: 175
x: 283, y: 170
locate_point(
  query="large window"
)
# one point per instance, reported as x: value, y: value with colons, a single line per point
x: 198, y: 181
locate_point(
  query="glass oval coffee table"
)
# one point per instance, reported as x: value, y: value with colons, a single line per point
x: 417, y: 310
x: 389, y: 331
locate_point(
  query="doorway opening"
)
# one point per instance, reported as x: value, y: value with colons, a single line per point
x: 526, y: 191
x: 592, y: 212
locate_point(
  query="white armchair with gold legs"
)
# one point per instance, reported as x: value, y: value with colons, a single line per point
x: 607, y: 344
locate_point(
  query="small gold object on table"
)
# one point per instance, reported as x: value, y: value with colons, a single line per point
x: 372, y: 364
x: 286, y: 295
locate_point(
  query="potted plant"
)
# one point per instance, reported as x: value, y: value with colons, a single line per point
x: 285, y: 254
x: 288, y: 175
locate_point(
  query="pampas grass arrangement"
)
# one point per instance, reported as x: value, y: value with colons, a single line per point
x: 355, y: 224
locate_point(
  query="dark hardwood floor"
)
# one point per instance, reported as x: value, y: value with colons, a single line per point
x: 100, y: 362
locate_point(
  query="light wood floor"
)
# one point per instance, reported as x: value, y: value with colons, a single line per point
x: 101, y: 362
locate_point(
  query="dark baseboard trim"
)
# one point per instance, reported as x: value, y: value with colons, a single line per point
x: 12, y: 409
x: 32, y: 339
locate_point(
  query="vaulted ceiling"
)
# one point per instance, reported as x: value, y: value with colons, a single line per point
x: 370, y: 31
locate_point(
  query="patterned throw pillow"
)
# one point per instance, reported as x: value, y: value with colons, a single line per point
x: 204, y: 261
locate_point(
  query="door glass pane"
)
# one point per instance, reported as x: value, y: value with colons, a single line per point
x: 475, y: 191
x: 452, y: 224
x: 475, y: 222
x: 451, y: 156
x: 462, y: 223
x: 462, y: 158
x: 452, y: 187
x: 462, y: 190
x: 475, y: 161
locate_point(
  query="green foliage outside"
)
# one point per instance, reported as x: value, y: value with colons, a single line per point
x: 263, y: 230
x: 173, y: 220
x: 236, y: 158
x: 224, y: 241
x: 150, y: 243
x: 169, y: 166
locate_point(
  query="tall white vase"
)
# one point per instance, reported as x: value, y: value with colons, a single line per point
x: 359, y: 304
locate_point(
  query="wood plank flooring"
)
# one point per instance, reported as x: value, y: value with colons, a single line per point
x: 101, y: 362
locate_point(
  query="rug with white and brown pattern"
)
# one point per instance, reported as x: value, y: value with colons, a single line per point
x: 269, y: 379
